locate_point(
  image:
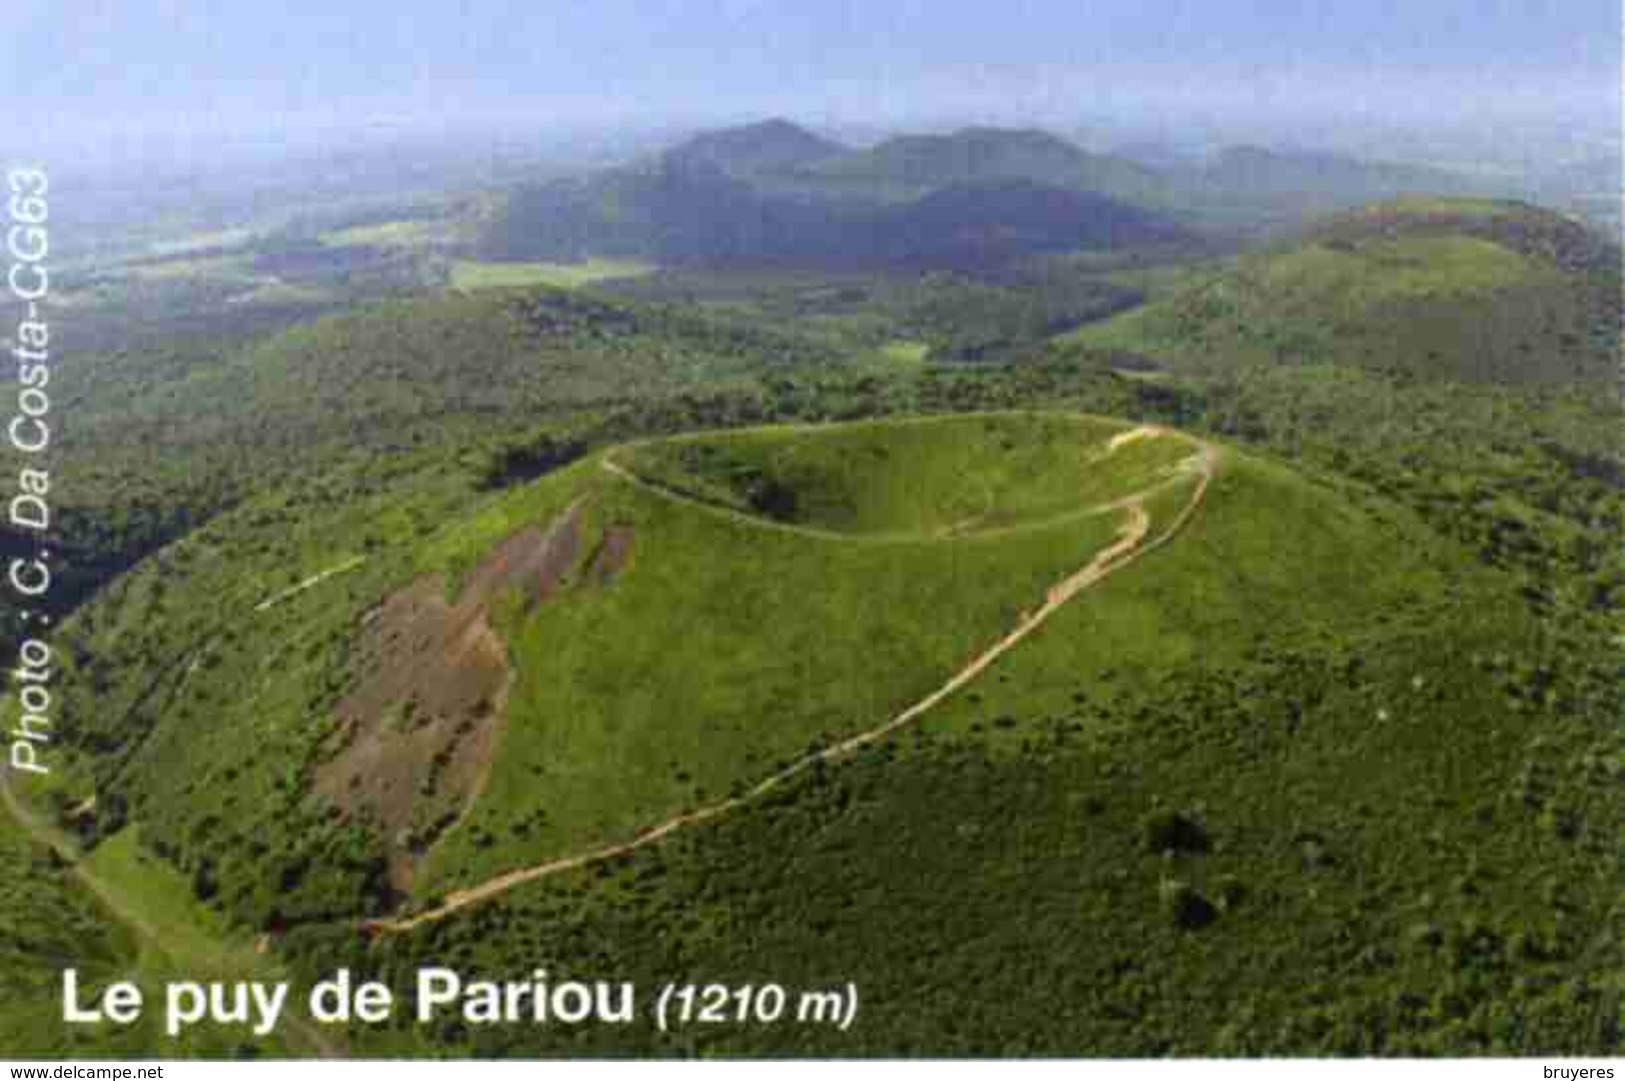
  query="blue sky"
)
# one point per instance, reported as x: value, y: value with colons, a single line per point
x: 94, y: 66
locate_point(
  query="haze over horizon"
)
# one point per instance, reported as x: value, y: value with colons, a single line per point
x: 136, y: 77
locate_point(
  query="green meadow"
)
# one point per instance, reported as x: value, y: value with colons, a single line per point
x: 470, y: 275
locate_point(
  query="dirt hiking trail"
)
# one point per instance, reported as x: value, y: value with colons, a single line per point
x: 309, y: 583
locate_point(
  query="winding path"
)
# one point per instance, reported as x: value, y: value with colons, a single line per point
x: 1129, y: 547
x: 313, y: 580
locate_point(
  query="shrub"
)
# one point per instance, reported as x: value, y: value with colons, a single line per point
x: 1175, y: 831
x: 1185, y: 905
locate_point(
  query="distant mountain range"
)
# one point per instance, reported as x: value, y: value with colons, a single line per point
x: 774, y: 193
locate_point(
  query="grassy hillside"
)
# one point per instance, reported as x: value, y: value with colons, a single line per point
x: 1303, y: 782
x: 1439, y: 289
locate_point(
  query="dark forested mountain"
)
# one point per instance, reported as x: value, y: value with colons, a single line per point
x: 673, y: 211
x: 911, y: 165
x: 697, y: 215
x: 768, y: 147
x: 978, y: 225
x: 774, y: 193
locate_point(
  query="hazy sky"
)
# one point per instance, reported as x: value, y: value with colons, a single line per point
x: 106, y: 70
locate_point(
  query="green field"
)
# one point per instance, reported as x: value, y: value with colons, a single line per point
x: 232, y: 269
x: 905, y: 353
x: 469, y: 275
x: 389, y: 234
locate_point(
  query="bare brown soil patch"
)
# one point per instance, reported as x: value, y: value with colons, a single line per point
x: 417, y: 733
